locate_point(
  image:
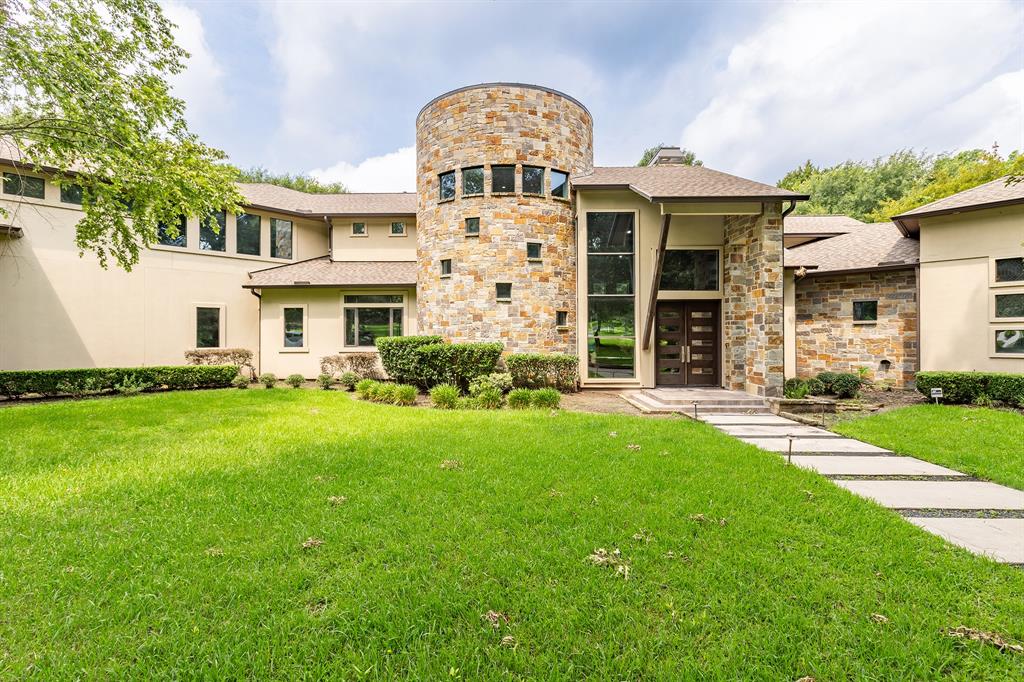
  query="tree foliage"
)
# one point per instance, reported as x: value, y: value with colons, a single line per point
x: 689, y: 158
x: 302, y: 183
x: 84, y: 96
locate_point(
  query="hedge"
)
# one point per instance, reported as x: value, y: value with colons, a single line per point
x: 398, y: 355
x: 541, y: 370
x: 101, y: 379
x: 966, y: 387
x: 455, y: 363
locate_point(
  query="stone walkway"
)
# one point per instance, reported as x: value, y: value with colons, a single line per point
x: 983, y: 517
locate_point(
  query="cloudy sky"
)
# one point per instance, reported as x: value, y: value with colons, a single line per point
x: 333, y: 88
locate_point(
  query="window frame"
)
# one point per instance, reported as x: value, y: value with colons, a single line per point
x: 853, y: 310
x: 692, y: 293
x: 66, y: 194
x: 440, y: 186
x: 446, y: 268
x: 364, y: 233
x: 465, y: 226
x: 20, y: 178
x: 291, y: 238
x: 992, y: 270
x: 587, y: 297
x: 498, y: 297
x: 259, y: 235
x: 539, y: 258
x: 562, y: 319
x: 403, y: 306
x: 503, y: 166
x: 304, y: 348
x: 995, y: 328
x: 403, y: 233
x: 1009, y: 291
x: 483, y: 181
x: 543, y: 180
x: 182, y: 234
x: 551, y: 189
x: 222, y: 324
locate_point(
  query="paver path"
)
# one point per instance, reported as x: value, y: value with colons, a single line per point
x: 984, y: 517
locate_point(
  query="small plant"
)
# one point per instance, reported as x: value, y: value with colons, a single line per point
x: 404, y: 394
x: 383, y: 392
x: 500, y: 381
x: 295, y: 380
x: 240, y: 382
x: 795, y: 389
x: 467, y: 403
x: 445, y: 396
x: 324, y: 381
x: 864, y: 374
x: 349, y: 380
x: 131, y: 385
x: 982, y: 400
x: 268, y: 379
x: 546, y: 398
x: 490, y: 399
x: 846, y: 385
x: 363, y: 388
x: 520, y: 398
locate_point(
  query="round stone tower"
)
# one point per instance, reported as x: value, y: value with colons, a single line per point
x: 495, y: 236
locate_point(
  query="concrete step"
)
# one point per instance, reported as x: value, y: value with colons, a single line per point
x: 648, y: 405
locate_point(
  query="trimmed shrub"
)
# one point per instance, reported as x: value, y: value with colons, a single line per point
x: 445, y: 396
x: 349, y: 380
x: 363, y: 388
x: 467, y: 403
x: 398, y: 356
x: 826, y: 379
x: 846, y: 385
x: 546, y: 398
x: 519, y: 398
x: 221, y: 356
x: 324, y: 381
x: 815, y: 387
x: 49, y: 382
x: 499, y: 381
x: 541, y: 370
x: 456, y: 363
x: 405, y: 394
x: 967, y: 387
x: 382, y: 392
x: 489, y: 399
x: 295, y: 380
x: 240, y: 382
x: 366, y: 365
x: 268, y: 379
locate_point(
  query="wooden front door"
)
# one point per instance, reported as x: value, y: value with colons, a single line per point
x: 688, y: 347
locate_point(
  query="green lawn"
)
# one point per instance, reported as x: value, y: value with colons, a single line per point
x: 977, y: 441
x: 162, y: 536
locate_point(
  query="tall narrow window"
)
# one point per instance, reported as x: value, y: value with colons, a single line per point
x: 25, y: 185
x: 247, y: 234
x: 611, y: 305
x: 503, y: 179
x: 562, y: 318
x: 559, y: 184
x: 207, y: 327
x: 294, y: 328
x: 280, y: 238
x: 212, y: 232
x: 533, y: 180
x: 446, y: 181
x: 398, y: 229
x: 472, y: 181
x: 178, y: 236
x: 71, y: 194
x: 472, y: 227
x: 446, y: 267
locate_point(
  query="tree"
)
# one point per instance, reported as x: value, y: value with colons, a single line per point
x: 689, y: 158
x: 302, y: 183
x: 84, y: 96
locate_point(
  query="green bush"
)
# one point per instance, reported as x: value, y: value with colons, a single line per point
x: 405, y: 394
x: 324, y: 381
x: 826, y: 379
x: 519, y: 398
x: 295, y: 380
x: 398, y: 355
x: 542, y: 370
x: 967, y: 387
x: 50, y: 382
x: 456, y: 363
x: 500, y: 381
x: 383, y: 392
x: 268, y: 379
x: 240, y: 382
x: 846, y: 385
x: 349, y: 380
x: 815, y: 386
x: 546, y: 398
x: 795, y: 389
x: 131, y: 385
x: 489, y: 399
x: 364, y: 387
x: 445, y: 396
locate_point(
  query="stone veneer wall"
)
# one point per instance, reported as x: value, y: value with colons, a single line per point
x: 752, y: 316
x: 827, y: 339
x: 499, y: 124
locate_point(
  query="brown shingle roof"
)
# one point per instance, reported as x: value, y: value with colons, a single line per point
x: 875, y: 246
x: 990, y: 195
x: 265, y: 195
x: 680, y: 183
x: 323, y: 272
x: 820, y: 224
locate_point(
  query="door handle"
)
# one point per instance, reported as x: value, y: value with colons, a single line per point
x: 687, y: 348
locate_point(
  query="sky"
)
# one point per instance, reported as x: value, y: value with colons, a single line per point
x: 332, y: 89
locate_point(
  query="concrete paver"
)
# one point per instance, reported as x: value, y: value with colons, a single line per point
x: 775, y: 431
x: 938, y: 494
x: 852, y: 465
x: 1001, y: 539
x: 845, y: 445
x: 723, y: 419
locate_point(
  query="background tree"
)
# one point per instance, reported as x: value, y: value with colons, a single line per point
x: 302, y: 183
x: 689, y: 158
x: 84, y: 95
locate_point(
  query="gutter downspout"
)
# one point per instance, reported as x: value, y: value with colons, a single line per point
x: 920, y: 336
x: 330, y: 238
x: 259, y: 331
x: 792, y: 207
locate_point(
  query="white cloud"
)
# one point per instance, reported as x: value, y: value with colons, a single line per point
x: 394, y: 172
x: 201, y: 84
x: 832, y: 81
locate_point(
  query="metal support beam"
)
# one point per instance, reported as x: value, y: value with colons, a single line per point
x: 653, y: 303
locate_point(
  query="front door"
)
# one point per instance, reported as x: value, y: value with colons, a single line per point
x: 688, y: 350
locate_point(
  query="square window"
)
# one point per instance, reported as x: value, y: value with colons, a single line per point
x: 1010, y: 269
x: 212, y: 232
x: 397, y: 229
x: 689, y: 270
x: 25, y: 185
x: 280, y: 238
x: 71, y: 194
x: 533, y: 250
x: 358, y: 229
x: 207, y: 327
x: 363, y: 326
x: 562, y: 318
x: 446, y: 267
x: 503, y: 178
x: 865, y: 311
x: 533, y: 180
x: 559, y: 184
x: 1009, y: 341
x: 179, y: 238
x: 447, y: 185
x: 472, y: 181
x: 247, y: 234
x: 294, y: 332
x: 1010, y: 305
x: 472, y: 227
x: 503, y: 291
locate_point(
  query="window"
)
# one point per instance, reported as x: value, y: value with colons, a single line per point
x: 472, y: 181
x: 180, y: 238
x: 447, y: 184
x: 280, y: 238
x: 559, y: 184
x: 503, y: 178
x: 611, y: 326
x: 1009, y: 305
x: 865, y: 311
x: 533, y: 250
x: 398, y: 229
x: 446, y: 267
x: 1008, y: 269
x: 472, y: 227
x: 376, y: 315
x: 207, y: 327
x: 358, y: 229
x: 71, y: 194
x: 1009, y: 341
x: 212, y: 234
x: 503, y: 291
x: 247, y: 234
x: 562, y: 318
x: 690, y: 270
x: 25, y: 185
x: 533, y: 180
x: 294, y: 327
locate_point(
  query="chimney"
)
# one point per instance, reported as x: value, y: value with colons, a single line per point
x: 667, y: 156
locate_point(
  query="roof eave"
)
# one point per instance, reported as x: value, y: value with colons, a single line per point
x: 913, y: 218
x: 853, y: 271
x: 729, y: 197
x: 396, y: 285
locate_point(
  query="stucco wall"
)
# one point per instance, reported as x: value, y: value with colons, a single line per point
x: 377, y: 245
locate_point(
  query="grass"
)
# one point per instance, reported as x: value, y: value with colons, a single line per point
x: 981, y: 442
x: 303, y: 534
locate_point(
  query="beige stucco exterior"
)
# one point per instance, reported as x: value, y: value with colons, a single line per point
x: 377, y: 243
x: 789, y: 323
x: 957, y: 288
